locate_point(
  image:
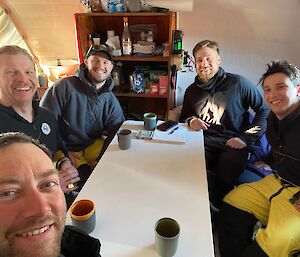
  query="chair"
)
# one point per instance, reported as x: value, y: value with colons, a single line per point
x: 260, y: 151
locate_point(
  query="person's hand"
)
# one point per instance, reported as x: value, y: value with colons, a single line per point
x: 67, y: 175
x: 236, y: 143
x: 74, y: 157
x: 262, y: 165
x: 197, y: 124
x: 297, y: 205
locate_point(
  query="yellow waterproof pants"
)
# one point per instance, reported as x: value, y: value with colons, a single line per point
x: 281, y: 233
x: 89, y: 154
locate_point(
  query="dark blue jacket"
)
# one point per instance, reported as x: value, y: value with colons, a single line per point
x: 83, y: 113
x: 224, y: 102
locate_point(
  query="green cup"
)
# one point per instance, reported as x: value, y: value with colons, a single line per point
x: 167, y: 232
x: 150, y: 120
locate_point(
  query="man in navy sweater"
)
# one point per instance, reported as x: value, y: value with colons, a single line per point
x: 218, y: 103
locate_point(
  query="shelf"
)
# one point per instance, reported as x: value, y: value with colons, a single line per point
x: 163, y: 25
x: 137, y: 58
x: 142, y: 95
x: 122, y: 14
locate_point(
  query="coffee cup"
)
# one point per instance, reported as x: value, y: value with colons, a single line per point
x: 150, y: 120
x: 124, y: 139
x: 83, y: 215
x: 167, y: 232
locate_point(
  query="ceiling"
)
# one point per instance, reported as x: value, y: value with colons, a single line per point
x: 47, y: 27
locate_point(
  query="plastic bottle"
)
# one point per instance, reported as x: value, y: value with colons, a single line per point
x: 90, y: 40
x: 126, y: 38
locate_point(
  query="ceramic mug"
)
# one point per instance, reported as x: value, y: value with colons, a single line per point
x: 83, y: 215
x: 150, y: 120
x: 167, y: 232
x: 124, y: 139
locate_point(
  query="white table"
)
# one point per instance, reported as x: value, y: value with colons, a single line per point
x: 134, y: 188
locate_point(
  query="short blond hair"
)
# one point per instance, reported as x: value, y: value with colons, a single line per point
x: 15, y: 50
x: 206, y: 43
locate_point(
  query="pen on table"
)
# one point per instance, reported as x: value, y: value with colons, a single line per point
x: 173, y: 130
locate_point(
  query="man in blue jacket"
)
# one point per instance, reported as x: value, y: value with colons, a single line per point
x: 218, y: 103
x: 85, y: 108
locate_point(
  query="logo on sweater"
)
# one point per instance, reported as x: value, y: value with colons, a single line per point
x: 45, y: 128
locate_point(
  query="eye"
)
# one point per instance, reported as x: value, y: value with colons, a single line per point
x: 11, y: 72
x: 49, y: 184
x: 8, y: 195
x: 31, y: 73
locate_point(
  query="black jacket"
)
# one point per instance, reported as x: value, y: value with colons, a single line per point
x: 75, y: 243
x: 284, y: 137
x: 43, y: 128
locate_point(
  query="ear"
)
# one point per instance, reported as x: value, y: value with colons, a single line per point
x: 85, y: 62
x: 219, y: 59
x: 298, y: 90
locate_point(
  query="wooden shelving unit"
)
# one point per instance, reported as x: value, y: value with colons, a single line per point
x: 164, y: 23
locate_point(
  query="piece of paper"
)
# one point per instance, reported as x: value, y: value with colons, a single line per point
x: 178, y: 136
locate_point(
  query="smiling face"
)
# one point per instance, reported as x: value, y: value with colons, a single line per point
x: 280, y: 94
x: 18, y: 81
x: 32, y: 204
x: 207, y: 63
x: 99, y: 67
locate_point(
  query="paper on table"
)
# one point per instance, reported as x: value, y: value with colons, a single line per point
x: 178, y: 136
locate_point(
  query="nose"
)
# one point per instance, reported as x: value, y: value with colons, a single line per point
x: 101, y: 65
x: 22, y: 76
x: 35, y: 204
x: 204, y: 63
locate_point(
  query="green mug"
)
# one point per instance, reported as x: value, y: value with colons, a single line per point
x: 150, y: 120
x: 167, y: 232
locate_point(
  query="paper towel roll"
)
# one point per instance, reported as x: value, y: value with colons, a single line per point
x: 173, y: 5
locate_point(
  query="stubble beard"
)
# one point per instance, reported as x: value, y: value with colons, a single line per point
x: 9, y: 249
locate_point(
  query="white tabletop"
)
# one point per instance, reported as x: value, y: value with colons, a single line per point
x: 134, y: 188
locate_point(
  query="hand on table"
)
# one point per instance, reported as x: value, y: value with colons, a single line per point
x: 68, y: 174
x: 197, y: 124
x: 236, y: 143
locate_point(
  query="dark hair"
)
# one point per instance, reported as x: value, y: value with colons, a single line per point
x: 206, y: 43
x: 282, y: 66
x: 10, y: 138
x: 15, y: 50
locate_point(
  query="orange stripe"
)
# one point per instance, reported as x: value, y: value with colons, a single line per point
x: 82, y: 209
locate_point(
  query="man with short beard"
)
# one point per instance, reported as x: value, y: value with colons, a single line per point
x: 32, y: 204
x: 85, y: 107
x: 218, y: 103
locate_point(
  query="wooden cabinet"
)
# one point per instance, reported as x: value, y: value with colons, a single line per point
x: 134, y: 104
